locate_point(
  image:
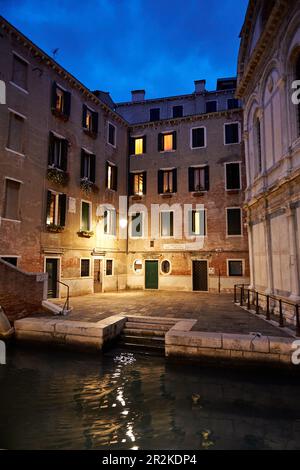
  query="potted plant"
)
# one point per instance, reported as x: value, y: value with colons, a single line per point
x: 87, y: 186
x: 54, y: 228
x: 85, y: 233
x: 57, y: 176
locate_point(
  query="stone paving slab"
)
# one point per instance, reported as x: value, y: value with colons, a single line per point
x: 212, y: 312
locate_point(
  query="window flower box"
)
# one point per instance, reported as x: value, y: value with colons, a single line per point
x: 85, y: 233
x: 88, y: 186
x: 54, y: 228
x: 198, y: 194
x: 167, y: 195
x: 60, y: 115
x: 57, y: 176
x: 90, y: 133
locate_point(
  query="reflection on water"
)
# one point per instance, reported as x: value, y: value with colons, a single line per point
x: 57, y: 400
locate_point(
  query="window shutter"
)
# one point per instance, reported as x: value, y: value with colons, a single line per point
x: 174, y: 140
x: 51, y: 148
x: 64, y: 160
x: 144, y: 144
x: 171, y: 224
x: 67, y: 106
x: 174, y: 181
x: 191, y: 180
x: 144, y: 182
x: 160, y: 142
x: 62, y: 206
x: 48, y: 205
x: 53, y: 95
x: 106, y: 174
x: 160, y: 181
x: 131, y: 145
x: 207, y: 178
x: 84, y: 110
x: 93, y: 168
x: 82, y: 158
x: 115, y: 178
x: 130, y: 184
x: 95, y: 123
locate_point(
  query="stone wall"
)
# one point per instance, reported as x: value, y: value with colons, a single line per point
x: 21, y: 293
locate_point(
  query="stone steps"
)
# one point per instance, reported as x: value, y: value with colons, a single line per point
x: 146, y: 334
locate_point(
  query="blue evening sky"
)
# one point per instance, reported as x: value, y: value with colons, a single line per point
x: 121, y: 45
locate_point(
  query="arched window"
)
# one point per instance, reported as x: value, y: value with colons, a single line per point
x: 257, y: 131
x: 297, y: 77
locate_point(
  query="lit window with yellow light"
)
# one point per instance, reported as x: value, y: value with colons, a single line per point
x: 138, y: 146
x: 197, y: 223
x: 88, y: 120
x: 59, y: 99
x: 168, y: 142
x: 138, y: 186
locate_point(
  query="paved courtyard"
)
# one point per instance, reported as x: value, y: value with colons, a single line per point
x: 214, y: 312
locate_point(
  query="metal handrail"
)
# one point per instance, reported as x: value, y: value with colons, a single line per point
x: 269, y: 297
x: 66, y: 304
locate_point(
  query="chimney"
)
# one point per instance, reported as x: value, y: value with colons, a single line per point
x: 137, y: 95
x: 200, y: 86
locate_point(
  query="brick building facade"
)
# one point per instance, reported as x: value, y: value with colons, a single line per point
x: 73, y: 163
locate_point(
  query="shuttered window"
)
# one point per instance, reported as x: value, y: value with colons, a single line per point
x: 167, y: 224
x: 16, y: 133
x: 167, y: 181
x: 197, y: 223
x: 12, y: 200
x: 111, y: 176
x: 154, y: 114
x: 137, y: 225
x: 199, y: 179
x: 110, y: 222
x: 20, y: 72
x: 232, y: 103
x: 60, y: 101
x: 84, y: 267
x: 85, y: 216
x: 89, y: 121
x: 211, y: 106
x: 111, y: 134
x: 177, y: 111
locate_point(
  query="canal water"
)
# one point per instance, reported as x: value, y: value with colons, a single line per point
x: 62, y: 400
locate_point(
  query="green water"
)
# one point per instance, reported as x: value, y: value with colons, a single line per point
x: 62, y: 400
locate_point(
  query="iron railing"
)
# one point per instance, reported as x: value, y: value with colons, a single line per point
x: 251, y: 297
x: 66, y: 306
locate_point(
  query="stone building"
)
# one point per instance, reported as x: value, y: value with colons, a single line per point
x: 269, y: 63
x: 74, y: 166
x: 186, y: 157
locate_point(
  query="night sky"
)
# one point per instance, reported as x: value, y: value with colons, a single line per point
x: 161, y: 46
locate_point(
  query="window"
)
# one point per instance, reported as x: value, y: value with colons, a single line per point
x: 84, y: 267
x: 199, y: 179
x: 86, y: 216
x: 235, y: 268
x: 58, y: 152
x: 61, y: 101
x: 167, y: 223
x: 233, y: 176
x: 177, y: 111
x: 138, y: 266
x: 167, y: 181
x: 12, y: 200
x: 232, y: 103
x: 167, y: 142
x: 137, y: 145
x: 56, y: 209
x: 87, y: 166
x: 111, y: 176
x: 232, y: 133
x: 198, y: 137
x: 20, y: 72
x: 234, y: 221
x: 197, y: 223
x: 211, y: 106
x: 257, y: 137
x: 165, y: 266
x: 110, y: 222
x: 155, y: 114
x: 89, y: 120
x: 137, y: 183
x: 109, y: 267
x: 13, y: 260
x: 16, y: 133
x: 111, y: 138
x: 137, y: 225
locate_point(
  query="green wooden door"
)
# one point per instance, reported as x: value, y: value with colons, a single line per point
x: 151, y: 275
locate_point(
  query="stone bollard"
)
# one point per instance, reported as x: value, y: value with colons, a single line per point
x: 6, y: 330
